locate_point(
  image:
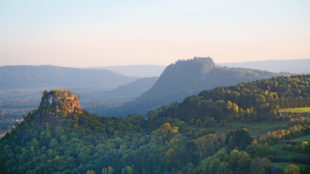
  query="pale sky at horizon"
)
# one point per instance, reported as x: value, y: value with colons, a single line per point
x: 80, y: 33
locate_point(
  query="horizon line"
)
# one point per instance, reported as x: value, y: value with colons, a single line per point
x: 119, y: 65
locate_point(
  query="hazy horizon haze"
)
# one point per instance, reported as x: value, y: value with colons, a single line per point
x: 105, y: 33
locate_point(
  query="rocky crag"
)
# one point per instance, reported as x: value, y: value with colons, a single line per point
x: 61, y: 101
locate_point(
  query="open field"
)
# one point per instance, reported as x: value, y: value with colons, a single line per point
x: 286, y: 154
x: 255, y: 128
x: 295, y: 110
x: 290, y: 156
x: 303, y: 138
x: 283, y: 165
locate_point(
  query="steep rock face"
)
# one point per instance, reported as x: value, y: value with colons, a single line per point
x: 179, y: 80
x: 61, y: 101
x: 182, y: 75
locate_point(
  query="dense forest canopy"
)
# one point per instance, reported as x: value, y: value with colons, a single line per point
x: 194, y: 136
x: 252, y: 101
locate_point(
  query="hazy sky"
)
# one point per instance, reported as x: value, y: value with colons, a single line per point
x: 114, y: 32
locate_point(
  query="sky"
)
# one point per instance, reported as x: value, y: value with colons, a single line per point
x: 85, y: 33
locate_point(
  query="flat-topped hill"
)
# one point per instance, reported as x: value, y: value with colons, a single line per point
x: 61, y: 101
x: 185, y: 78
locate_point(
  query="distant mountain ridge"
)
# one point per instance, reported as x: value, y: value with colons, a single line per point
x: 125, y: 92
x: 298, y: 66
x: 21, y: 88
x: 185, y: 78
x: 46, y: 76
x: 137, y: 70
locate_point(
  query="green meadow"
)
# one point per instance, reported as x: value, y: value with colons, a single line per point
x: 254, y: 128
x: 296, y: 110
x: 283, y: 165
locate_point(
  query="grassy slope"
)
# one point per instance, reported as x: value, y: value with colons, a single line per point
x: 255, y: 128
x: 301, y: 139
x: 296, y: 110
x: 283, y: 165
x: 259, y: 128
x: 282, y: 153
x: 289, y: 154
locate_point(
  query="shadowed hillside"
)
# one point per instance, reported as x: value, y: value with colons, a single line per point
x: 185, y: 78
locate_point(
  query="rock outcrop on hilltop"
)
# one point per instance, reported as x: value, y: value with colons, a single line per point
x: 61, y: 101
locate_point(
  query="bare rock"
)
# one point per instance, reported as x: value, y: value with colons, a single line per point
x: 61, y: 101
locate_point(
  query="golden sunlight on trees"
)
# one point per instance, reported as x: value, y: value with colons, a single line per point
x: 292, y: 169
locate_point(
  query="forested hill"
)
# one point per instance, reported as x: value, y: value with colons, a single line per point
x: 29, y: 77
x: 206, y: 134
x: 252, y: 101
x: 185, y: 78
